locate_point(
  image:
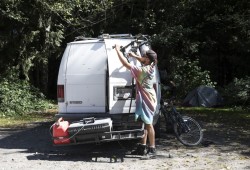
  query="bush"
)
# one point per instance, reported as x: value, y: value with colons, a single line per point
x: 19, y: 97
x: 238, y: 92
x: 188, y: 75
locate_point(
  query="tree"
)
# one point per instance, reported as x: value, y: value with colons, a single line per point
x: 216, y: 32
x: 33, y: 31
x: 212, y: 35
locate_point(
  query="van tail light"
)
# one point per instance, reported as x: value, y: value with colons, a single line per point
x: 60, y: 93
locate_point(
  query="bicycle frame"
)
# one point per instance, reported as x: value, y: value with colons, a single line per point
x: 186, y: 129
x: 170, y: 113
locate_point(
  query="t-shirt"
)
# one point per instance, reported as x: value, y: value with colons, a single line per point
x: 146, y: 100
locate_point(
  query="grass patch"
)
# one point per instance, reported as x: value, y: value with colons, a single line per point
x: 231, y: 116
x: 219, y: 115
x: 25, y: 119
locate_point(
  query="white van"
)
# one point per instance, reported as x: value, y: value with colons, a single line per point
x: 96, y: 94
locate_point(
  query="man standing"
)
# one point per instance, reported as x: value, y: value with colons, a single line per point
x: 146, y: 99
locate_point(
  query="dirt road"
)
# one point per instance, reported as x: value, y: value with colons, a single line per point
x: 224, y: 147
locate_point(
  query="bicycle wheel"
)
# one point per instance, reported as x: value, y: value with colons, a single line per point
x: 193, y: 136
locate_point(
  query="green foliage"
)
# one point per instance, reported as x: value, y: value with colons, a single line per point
x: 188, y: 75
x: 18, y: 97
x: 216, y: 32
x: 34, y: 30
x: 197, y: 35
x: 238, y: 92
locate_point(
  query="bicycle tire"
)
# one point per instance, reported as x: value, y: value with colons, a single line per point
x: 191, y: 138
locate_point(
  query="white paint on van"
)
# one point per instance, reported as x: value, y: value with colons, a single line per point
x: 89, y: 71
x: 119, y: 76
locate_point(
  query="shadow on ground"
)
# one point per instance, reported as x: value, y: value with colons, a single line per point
x: 36, y: 141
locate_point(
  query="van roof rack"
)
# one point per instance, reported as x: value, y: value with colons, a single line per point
x: 79, y: 38
x: 107, y: 36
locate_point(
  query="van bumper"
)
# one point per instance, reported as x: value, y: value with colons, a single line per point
x: 78, y: 116
x: 118, y: 118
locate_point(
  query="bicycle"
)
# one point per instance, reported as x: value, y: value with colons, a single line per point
x: 186, y: 129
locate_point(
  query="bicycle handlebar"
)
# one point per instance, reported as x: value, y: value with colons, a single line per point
x: 132, y: 43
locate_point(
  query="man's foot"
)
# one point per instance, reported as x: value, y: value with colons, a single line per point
x: 151, y: 153
x: 140, y: 150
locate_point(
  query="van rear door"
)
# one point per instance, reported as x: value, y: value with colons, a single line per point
x: 86, y: 78
x: 121, y: 95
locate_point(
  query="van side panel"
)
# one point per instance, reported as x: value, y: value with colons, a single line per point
x: 62, y: 77
x: 86, y: 78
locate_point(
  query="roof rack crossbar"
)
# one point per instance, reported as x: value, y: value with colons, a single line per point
x: 116, y: 36
x: 79, y: 38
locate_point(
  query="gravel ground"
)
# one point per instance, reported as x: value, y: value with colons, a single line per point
x: 223, y: 147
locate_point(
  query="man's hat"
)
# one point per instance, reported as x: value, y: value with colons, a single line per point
x: 151, y: 55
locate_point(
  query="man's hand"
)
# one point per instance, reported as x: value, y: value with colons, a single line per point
x: 117, y: 47
x: 131, y: 54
